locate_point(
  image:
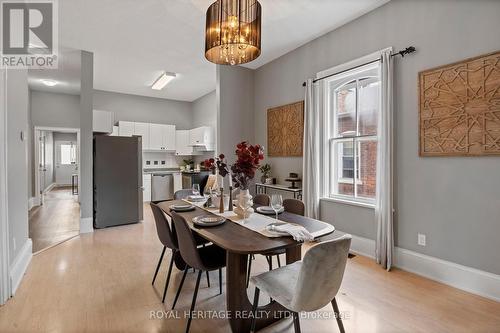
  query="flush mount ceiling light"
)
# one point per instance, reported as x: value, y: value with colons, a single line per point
x: 49, y: 83
x: 232, y: 34
x: 163, y: 80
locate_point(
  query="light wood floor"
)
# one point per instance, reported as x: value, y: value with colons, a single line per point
x: 57, y: 220
x: 101, y: 282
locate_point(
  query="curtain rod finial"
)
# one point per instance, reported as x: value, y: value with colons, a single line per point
x: 304, y: 84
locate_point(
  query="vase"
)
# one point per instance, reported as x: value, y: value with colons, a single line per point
x: 244, y: 208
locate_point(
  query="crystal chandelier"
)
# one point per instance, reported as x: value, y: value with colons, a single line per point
x: 232, y: 35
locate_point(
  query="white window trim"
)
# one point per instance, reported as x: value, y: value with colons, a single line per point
x: 325, y: 117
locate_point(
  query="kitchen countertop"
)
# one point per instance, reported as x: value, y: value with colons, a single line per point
x: 161, y: 170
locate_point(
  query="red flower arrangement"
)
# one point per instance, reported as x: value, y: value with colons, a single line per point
x: 248, y: 161
x: 217, y: 164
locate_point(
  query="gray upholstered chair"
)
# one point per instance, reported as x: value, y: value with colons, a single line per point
x: 183, y: 194
x: 208, y: 258
x: 262, y: 200
x: 307, y: 285
x: 294, y: 206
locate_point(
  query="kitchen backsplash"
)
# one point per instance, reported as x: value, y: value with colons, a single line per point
x: 155, y: 160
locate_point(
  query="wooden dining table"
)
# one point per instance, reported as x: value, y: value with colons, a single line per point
x: 240, y: 242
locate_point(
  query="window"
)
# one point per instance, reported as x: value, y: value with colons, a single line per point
x: 352, y: 109
x: 67, y: 154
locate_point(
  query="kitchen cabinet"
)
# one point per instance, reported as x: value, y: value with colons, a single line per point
x: 202, y: 138
x: 146, y: 183
x: 182, y: 147
x: 102, y: 121
x: 116, y: 131
x: 162, y: 137
x: 177, y: 181
x: 143, y: 130
x: 126, y: 128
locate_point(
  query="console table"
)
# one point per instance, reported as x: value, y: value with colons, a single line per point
x: 262, y: 189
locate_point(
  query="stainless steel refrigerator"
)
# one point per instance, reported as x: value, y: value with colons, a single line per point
x: 117, y: 180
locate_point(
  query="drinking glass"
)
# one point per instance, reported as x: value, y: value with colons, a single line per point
x: 196, y: 189
x: 276, y: 203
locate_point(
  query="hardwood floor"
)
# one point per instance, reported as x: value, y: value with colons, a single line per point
x: 101, y: 282
x: 57, y: 220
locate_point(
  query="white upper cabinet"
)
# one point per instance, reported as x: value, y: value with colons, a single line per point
x: 142, y: 129
x: 102, y: 121
x: 182, y: 146
x: 202, y: 137
x: 126, y: 128
x: 162, y: 137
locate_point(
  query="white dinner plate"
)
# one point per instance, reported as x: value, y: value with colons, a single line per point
x: 268, y: 210
x: 182, y: 207
x: 208, y: 220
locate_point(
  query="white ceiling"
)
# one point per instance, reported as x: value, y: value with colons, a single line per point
x: 67, y: 75
x: 135, y: 41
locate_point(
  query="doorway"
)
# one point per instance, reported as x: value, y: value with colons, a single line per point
x: 56, y: 215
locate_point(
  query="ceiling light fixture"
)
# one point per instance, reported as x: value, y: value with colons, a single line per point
x: 49, y: 83
x: 232, y: 34
x: 163, y: 80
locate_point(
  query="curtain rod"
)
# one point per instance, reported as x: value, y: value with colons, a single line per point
x: 402, y: 53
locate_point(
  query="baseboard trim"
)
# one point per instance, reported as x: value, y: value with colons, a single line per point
x: 466, y: 278
x: 86, y: 225
x: 19, y: 265
x: 49, y: 188
x: 33, y: 202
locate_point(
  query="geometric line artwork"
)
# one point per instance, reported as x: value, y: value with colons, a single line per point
x: 459, y: 108
x: 285, y: 130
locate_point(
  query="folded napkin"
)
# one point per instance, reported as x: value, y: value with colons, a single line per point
x: 196, y: 198
x: 298, y: 232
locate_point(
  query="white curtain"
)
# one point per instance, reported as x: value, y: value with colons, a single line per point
x: 311, y: 159
x: 384, y: 193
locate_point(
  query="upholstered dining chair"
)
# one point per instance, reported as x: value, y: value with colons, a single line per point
x: 183, y: 194
x: 307, y: 285
x: 169, y: 240
x: 293, y: 206
x: 204, y: 259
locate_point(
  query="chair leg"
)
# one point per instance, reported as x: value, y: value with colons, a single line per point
x: 296, y: 322
x: 194, y: 300
x: 159, y: 264
x: 270, y: 262
x: 249, y: 269
x: 180, y: 287
x: 168, y: 277
x: 337, y: 315
x: 254, y: 309
x: 279, y: 262
x: 220, y: 281
x: 208, y: 280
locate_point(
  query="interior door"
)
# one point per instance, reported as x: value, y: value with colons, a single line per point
x: 42, y: 165
x: 66, y: 161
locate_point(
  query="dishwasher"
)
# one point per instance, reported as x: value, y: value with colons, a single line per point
x: 162, y: 187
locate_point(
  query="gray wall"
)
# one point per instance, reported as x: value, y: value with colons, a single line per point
x: 454, y: 200
x: 86, y: 152
x: 50, y: 110
x: 54, y: 110
x: 144, y: 109
x: 234, y: 97
x: 58, y: 136
x: 17, y: 160
x: 205, y: 110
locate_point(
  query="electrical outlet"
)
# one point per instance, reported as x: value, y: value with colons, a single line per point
x: 421, y: 239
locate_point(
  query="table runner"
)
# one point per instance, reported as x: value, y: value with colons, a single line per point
x: 258, y: 222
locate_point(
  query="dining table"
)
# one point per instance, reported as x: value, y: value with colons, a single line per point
x: 239, y: 243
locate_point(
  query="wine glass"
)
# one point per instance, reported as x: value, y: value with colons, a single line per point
x: 276, y: 203
x: 196, y: 189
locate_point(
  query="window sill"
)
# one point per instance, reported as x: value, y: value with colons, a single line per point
x: 349, y: 202
x: 349, y: 181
